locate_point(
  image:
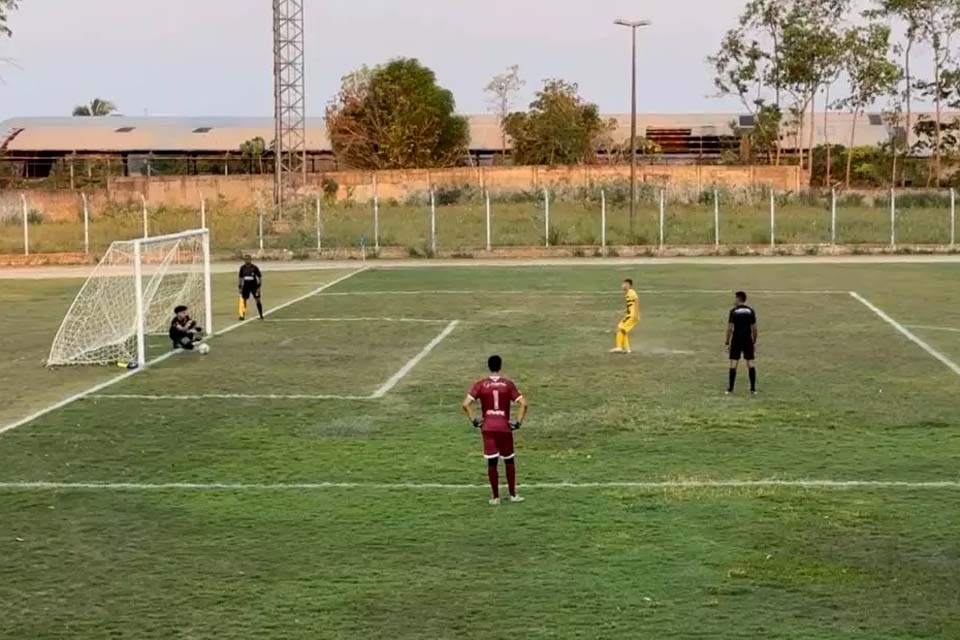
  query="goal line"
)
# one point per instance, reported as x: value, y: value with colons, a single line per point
x: 839, y: 485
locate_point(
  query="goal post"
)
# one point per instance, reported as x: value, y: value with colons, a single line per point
x: 131, y: 295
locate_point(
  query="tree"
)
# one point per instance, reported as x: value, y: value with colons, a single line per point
x: 910, y: 12
x: 6, y: 7
x: 254, y: 149
x: 96, y: 108
x: 870, y: 73
x: 939, y: 21
x: 810, y: 55
x: 502, y: 92
x: 395, y: 116
x: 748, y: 65
x: 559, y: 128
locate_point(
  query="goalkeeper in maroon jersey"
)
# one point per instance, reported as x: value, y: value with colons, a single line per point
x: 496, y: 394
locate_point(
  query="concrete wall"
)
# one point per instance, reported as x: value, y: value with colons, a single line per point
x: 359, y: 185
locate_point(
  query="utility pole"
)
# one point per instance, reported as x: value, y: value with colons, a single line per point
x: 633, y: 25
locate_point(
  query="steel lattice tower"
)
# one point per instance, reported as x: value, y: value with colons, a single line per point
x: 290, y: 143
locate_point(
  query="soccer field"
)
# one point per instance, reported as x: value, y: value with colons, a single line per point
x: 313, y: 476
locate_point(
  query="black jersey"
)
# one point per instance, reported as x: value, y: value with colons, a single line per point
x: 250, y: 273
x: 743, y: 319
x: 178, y: 326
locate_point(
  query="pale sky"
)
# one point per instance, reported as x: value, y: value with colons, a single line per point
x: 213, y: 57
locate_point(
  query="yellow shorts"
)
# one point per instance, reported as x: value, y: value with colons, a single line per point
x: 627, y: 325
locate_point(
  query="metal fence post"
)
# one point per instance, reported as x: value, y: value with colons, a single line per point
x: 489, y: 245
x: 143, y: 206
x: 319, y: 227
x: 716, y: 218
x: 603, y: 222
x: 893, y: 218
x: 663, y: 212
x: 953, y: 218
x: 773, y: 217
x: 376, y: 215
x: 86, y: 224
x: 433, y: 222
x: 260, y: 226
x: 546, y: 217
x: 26, y: 224
x: 833, y: 216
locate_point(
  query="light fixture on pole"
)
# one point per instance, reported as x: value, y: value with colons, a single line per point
x: 633, y: 25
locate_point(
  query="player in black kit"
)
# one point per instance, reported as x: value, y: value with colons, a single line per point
x: 249, y: 285
x: 742, y: 340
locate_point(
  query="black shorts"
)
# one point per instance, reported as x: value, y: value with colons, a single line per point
x: 250, y: 288
x: 742, y: 349
x: 184, y: 339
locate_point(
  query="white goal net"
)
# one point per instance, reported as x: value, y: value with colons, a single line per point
x: 131, y: 294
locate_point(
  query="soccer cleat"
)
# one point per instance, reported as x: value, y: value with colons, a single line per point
x: 495, y: 502
x: 517, y: 498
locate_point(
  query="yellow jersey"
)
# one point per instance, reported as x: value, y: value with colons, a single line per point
x: 633, y: 305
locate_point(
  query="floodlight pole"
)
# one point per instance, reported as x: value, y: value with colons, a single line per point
x: 633, y: 25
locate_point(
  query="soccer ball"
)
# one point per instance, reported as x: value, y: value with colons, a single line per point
x: 203, y: 349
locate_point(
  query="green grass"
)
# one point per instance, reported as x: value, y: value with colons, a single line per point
x: 462, y: 227
x: 843, y: 397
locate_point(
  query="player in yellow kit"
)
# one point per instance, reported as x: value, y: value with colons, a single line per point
x: 630, y: 320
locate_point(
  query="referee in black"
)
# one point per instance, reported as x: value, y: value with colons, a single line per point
x: 250, y: 281
x: 742, y: 340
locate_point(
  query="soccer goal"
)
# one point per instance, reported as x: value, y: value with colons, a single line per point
x: 131, y: 294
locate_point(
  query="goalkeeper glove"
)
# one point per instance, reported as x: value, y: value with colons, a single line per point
x: 515, y: 425
x: 477, y: 423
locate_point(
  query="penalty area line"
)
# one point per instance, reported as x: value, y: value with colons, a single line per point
x: 926, y: 327
x: 112, y: 381
x: 950, y: 364
x: 363, y: 319
x: 431, y: 486
x: 376, y: 395
x: 414, y: 361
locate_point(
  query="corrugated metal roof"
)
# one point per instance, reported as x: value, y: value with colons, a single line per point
x: 119, y: 134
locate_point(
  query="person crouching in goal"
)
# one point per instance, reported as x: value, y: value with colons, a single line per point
x: 630, y: 319
x: 184, y: 331
x: 742, y: 341
x: 249, y: 285
x: 496, y: 394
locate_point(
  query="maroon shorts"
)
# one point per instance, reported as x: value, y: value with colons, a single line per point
x: 498, y: 443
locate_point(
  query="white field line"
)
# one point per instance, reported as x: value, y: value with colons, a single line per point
x: 430, y: 486
x: 226, y: 396
x: 363, y: 319
x: 414, y: 361
x: 560, y: 293
x: 112, y: 381
x: 929, y: 328
x: 950, y: 364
